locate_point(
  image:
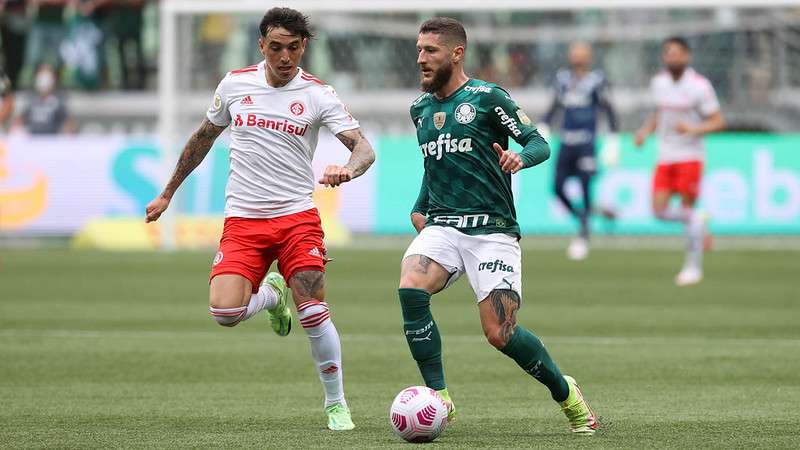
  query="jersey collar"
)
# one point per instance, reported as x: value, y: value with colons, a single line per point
x: 262, y: 69
x: 456, y: 92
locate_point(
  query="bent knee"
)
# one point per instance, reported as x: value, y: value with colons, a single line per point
x: 409, y: 281
x: 498, y: 338
x: 228, y: 317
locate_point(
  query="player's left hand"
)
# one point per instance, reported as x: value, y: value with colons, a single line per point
x: 336, y: 175
x: 684, y: 128
x: 510, y: 161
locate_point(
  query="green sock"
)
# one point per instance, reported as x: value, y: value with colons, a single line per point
x: 422, y: 335
x: 529, y: 352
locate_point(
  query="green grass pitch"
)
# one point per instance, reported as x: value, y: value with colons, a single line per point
x: 101, y: 350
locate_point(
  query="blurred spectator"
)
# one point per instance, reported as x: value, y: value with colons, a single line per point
x: 13, y: 35
x: 521, y: 68
x: 214, y: 31
x: 48, y: 30
x: 6, y: 100
x: 126, y: 20
x: 46, y: 111
x: 83, y: 48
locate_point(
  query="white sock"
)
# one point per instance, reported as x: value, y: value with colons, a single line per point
x: 325, y: 348
x: 694, y: 240
x: 675, y: 214
x: 265, y: 298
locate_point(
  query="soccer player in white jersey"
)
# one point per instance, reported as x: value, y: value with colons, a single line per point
x: 686, y: 109
x: 274, y: 110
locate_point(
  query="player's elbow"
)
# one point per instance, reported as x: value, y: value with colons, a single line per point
x: 370, y: 157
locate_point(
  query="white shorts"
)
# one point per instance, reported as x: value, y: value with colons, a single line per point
x: 491, y: 261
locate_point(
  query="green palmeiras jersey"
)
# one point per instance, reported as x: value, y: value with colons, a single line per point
x: 463, y: 185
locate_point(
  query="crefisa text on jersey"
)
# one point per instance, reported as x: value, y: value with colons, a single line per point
x: 508, y: 121
x: 444, y: 144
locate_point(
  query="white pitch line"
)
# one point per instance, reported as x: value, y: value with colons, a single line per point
x: 447, y: 338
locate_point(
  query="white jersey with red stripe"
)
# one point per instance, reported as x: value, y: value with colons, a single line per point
x: 274, y: 133
x: 691, y: 99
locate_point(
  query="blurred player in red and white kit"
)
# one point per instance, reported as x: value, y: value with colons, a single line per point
x: 275, y: 110
x: 686, y: 109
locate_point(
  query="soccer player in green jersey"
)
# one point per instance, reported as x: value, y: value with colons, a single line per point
x: 466, y: 219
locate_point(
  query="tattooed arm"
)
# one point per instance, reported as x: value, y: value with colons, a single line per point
x: 362, y: 156
x: 193, y: 153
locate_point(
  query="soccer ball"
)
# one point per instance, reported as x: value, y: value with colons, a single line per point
x: 418, y: 414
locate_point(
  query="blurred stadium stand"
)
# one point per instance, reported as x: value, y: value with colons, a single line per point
x: 751, y: 55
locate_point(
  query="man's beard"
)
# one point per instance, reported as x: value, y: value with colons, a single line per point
x: 440, y: 77
x: 676, y: 70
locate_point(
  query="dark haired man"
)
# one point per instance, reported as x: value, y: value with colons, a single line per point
x: 686, y: 109
x: 466, y: 219
x: 275, y: 110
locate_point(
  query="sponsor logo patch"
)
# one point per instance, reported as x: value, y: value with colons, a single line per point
x: 439, y: 119
x: 478, y: 89
x: 523, y: 118
x: 217, y: 104
x: 444, y: 144
x: 283, y: 126
x: 247, y: 101
x: 508, y: 121
x: 495, y: 266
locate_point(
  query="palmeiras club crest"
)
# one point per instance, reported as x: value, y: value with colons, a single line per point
x: 465, y: 113
x: 438, y: 119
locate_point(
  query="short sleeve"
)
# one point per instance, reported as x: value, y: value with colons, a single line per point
x: 333, y: 114
x: 218, y: 112
x: 708, y: 102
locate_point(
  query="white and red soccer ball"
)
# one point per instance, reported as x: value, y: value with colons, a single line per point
x: 418, y: 414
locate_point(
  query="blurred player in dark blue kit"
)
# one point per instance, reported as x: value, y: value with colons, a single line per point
x: 580, y: 98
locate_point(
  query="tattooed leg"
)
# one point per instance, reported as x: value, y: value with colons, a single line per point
x: 307, y: 285
x: 421, y: 272
x: 499, y: 319
x: 499, y: 316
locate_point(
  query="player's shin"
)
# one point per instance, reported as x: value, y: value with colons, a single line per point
x: 326, y: 348
x: 265, y: 298
x: 695, y: 234
x: 422, y: 335
x: 529, y: 352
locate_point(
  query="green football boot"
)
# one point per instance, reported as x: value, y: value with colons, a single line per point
x: 280, y: 317
x: 451, y: 407
x: 339, y: 417
x: 582, y: 419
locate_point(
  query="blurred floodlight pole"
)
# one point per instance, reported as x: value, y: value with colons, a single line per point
x: 167, y: 120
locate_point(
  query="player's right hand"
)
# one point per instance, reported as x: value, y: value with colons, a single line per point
x: 155, y: 208
x: 418, y: 220
x: 336, y: 175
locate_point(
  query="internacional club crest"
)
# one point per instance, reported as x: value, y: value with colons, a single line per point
x: 297, y: 108
x: 438, y: 119
x: 465, y: 113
